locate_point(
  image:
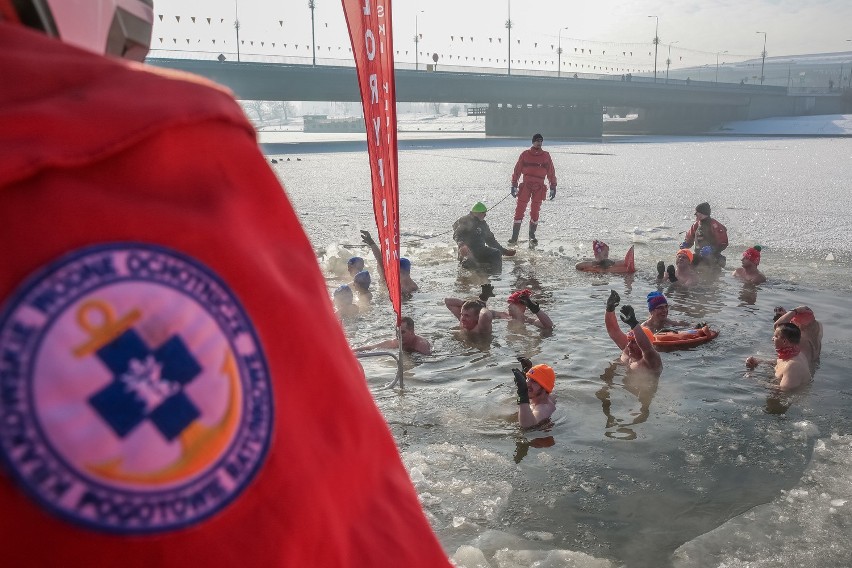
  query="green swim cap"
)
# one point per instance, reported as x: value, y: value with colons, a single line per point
x: 479, y: 207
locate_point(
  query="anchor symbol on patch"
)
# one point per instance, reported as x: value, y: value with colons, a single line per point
x: 148, y: 386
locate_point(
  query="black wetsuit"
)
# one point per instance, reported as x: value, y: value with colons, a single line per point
x: 475, y: 233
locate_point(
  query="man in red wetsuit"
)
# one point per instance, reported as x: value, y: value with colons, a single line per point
x: 162, y: 321
x: 535, y: 164
x: 709, y: 236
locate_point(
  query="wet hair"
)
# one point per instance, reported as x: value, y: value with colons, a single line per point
x: 472, y: 305
x: 790, y: 332
x: 409, y: 322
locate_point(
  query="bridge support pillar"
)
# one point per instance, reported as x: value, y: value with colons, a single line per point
x: 558, y: 121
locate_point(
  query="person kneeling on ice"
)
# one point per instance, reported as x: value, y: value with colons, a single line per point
x: 343, y: 302
x: 602, y: 261
x: 791, y: 366
x: 473, y: 315
x: 518, y: 302
x: 411, y: 342
x: 658, y: 310
x: 475, y: 240
x: 682, y: 273
x: 749, y: 272
x: 637, y: 352
x: 534, y: 385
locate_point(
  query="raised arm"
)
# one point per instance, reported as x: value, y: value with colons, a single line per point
x: 649, y: 354
x: 377, y: 253
x: 615, y: 333
x: 543, y: 320
x: 454, y: 305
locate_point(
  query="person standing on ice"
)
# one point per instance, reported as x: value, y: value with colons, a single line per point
x: 535, y: 165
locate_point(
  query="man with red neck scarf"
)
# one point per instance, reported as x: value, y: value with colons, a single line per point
x: 791, y: 366
x: 803, y: 318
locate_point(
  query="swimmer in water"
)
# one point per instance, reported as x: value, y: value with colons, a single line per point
x: 811, y: 341
x: 749, y: 272
x: 361, y: 285
x: 637, y: 352
x: 681, y: 273
x: 602, y: 261
x: 407, y: 286
x: 343, y: 304
x: 791, y: 366
x: 473, y: 315
x: 534, y: 385
x: 518, y: 302
x: 411, y: 342
x: 658, y: 320
x: 354, y: 265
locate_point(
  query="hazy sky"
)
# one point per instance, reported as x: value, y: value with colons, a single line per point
x: 604, y: 35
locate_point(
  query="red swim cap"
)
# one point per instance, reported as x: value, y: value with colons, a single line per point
x: 515, y: 297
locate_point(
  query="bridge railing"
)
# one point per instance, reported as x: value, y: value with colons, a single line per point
x: 441, y: 67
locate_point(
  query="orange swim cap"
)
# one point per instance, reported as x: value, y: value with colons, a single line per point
x: 544, y: 376
x: 686, y: 252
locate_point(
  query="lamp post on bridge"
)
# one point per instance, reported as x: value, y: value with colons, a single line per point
x: 312, y: 5
x: 416, y: 41
x: 509, y: 28
x: 237, y: 26
x: 718, y: 53
x: 669, y: 60
x: 656, y: 43
x: 559, y: 53
x: 763, y: 56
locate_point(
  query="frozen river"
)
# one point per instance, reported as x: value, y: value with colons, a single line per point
x: 618, y: 479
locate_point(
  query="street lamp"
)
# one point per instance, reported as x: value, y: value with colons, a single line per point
x: 669, y: 59
x: 559, y: 53
x: 237, y: 27
x: 509, y: 27
x: 656, y: 43
x: 416, y: 41
x: 718, y: 53
x: 312, y: 5
x: 763, y: 56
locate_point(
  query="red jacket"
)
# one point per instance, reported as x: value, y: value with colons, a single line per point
x: 160, y: 300
x: 709, y: 232
x: 535, y: 164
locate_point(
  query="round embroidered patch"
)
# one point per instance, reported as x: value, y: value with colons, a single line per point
x: 134, y: 393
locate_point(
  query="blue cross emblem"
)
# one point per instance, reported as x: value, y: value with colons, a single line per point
x: 147, y: 385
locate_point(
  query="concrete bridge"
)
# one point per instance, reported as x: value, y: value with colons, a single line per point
x: 565, y: 106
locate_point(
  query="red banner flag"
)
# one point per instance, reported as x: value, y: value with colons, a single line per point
x: 370, y: 32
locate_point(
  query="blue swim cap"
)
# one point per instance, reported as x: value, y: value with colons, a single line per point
x: 362, y: 279
x: 357, y: 262
x: 655, y: 300
x: 343, y: 291
x: 405, y: 264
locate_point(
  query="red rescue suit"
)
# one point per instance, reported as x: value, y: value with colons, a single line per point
x: 96, y: 151
x: 535, y: 164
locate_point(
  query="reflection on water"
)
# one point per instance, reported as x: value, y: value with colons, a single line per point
x: 706, y: 441
x: 641, y: 385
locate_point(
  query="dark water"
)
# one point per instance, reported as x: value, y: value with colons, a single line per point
x: 627, y: 473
